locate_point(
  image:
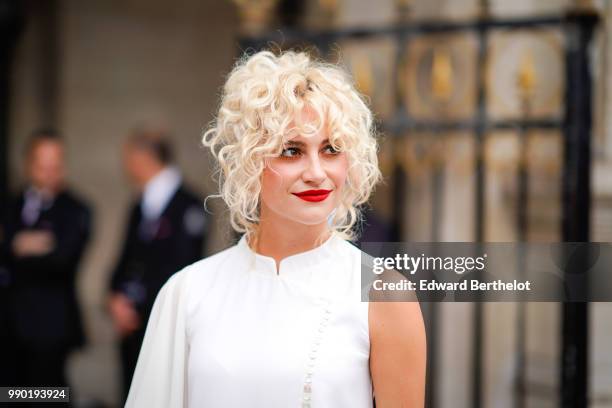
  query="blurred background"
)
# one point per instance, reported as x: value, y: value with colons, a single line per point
x: 493, y: 122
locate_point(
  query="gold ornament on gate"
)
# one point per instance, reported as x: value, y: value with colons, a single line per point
x: 363, y: 74
x: 526, y: 77
x: 441, y: 76
x: 255, y: 15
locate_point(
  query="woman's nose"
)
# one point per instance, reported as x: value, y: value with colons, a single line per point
x: 314, y: 171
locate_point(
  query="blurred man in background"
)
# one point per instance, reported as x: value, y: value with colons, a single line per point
x: 46, y: 228
x: 165, y: 232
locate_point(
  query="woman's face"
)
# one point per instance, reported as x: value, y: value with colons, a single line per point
x: 305, y: 182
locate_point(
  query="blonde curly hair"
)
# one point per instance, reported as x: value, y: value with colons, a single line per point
x: 259, y: 111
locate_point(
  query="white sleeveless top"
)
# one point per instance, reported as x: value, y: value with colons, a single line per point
x: 229, y: 331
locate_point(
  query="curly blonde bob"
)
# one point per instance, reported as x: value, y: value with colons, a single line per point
x: 260, y: 108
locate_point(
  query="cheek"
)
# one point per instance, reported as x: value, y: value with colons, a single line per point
x: 41, y: 171
x: 35, y: 172
x: 55, y: 169
x: 339, y: 172
x: 280, y: 176
x: 272, y: 182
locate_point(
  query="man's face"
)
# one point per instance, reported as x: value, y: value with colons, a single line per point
x: 45, y: 167
x: 138, y: 165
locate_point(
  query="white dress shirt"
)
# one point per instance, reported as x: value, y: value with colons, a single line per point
x: 159, y: 191
x: 34, y: 202
x: 229, y: 331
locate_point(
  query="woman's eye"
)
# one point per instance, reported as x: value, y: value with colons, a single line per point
x: 290, y: 152
x: 330, y: 149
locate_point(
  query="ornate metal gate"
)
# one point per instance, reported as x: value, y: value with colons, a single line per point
x: 438, y: 87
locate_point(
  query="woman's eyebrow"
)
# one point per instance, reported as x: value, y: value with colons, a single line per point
x: 301, y: 144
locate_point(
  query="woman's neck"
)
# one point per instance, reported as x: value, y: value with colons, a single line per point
x: 282, y: 239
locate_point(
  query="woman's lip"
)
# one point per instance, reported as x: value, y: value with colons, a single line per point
x: 313, y: 198
x: 313, y: 195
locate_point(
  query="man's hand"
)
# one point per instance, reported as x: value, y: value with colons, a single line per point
x: 124, y: 314
x: 33, y: 243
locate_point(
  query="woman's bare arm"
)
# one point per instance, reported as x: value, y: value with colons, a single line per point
x: 397, y: 354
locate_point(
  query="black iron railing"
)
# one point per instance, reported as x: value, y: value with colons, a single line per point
x: 575, y: 127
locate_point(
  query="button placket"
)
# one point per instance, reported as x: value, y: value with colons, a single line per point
x: 314, y: 351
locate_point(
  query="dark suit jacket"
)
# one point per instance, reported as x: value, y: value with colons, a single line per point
x: 41, y: 302
x: 152, y: 252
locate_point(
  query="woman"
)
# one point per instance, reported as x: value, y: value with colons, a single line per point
x: 277, y: 319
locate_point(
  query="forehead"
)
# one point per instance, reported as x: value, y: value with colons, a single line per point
x: 303, y: 127
x: 303, y: 141
x: 307, y: 114
x: 134, y: 149
x: 45, y: 148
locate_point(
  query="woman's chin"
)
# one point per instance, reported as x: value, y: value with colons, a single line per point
x: 312, y: 221
x: 317, y: 217
x: 312, y: 215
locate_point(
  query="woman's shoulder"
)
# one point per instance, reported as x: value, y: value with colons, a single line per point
x: 207, y: 266
x: 215, y: 258
x: 197, y: 277
x: 373, y: 275
x: 222, y: 261
x: 355, y: 254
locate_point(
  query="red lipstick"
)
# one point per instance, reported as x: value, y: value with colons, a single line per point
x: 313, y: 195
